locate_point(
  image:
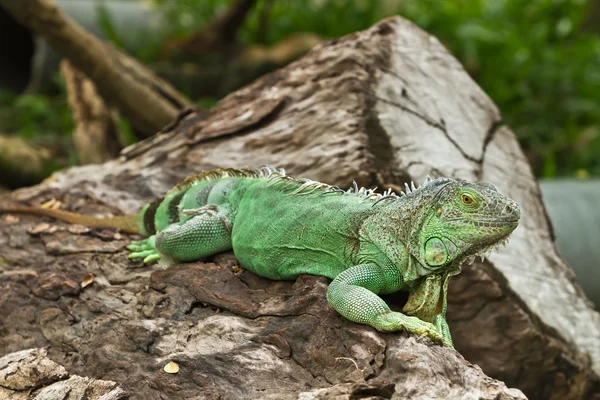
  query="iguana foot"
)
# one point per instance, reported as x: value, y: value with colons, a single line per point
x: 395, y: 321
x: 145, y: 249
x: 442, y: 327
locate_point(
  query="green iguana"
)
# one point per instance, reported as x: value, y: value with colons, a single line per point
x: 368, y: 243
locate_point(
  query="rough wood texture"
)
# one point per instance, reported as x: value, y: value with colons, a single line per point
x: 146, y: 100
x: 30, y: 374
x: 380, y: 107
x: 95, y: 135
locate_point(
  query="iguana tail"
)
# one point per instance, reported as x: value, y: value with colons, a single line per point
x: 126, y: 223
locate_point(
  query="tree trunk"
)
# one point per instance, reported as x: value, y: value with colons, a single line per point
x: 382, y: 107
x: 96, y: 135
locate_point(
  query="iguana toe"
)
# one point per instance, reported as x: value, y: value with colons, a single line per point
x: 142, y: 254
x: 142, y: 245
x: 135, y: 247
x: 151, y: 258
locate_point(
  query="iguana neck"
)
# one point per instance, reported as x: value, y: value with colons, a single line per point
x: 404, y: 218
x: 394, y: 228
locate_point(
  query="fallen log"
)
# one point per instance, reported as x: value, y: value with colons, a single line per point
x: 382, y: 107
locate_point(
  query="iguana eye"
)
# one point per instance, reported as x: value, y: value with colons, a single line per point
x: 468, y: 200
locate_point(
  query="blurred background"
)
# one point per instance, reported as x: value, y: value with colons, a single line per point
x: 539, y: 60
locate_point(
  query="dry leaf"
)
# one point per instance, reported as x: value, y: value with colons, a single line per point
x: 171, y: 368
x: 78, y: 229
x: 107, y: 234
x: 39, y: 228
x: 88, y: 279
x: 49, y: 204
x: 11, y: 219
x: 51, y: 178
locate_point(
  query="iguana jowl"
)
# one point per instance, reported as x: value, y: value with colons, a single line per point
x: 280, y: 227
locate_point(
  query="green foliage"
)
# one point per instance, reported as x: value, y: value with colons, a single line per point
x: 330, y: 18
x: 107, y: 27
x: 126, y: 135
x: 206, y: 102
x: 185, y: 16
x: 35, y: 115
x: 38, y: 119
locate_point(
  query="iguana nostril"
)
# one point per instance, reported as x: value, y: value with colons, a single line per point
x: 512, y: 209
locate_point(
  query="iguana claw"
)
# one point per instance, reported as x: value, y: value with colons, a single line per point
x: 395, y: 321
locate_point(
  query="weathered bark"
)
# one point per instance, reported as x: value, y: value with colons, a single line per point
x: 381, y: 107
x: 96, y: 136
x: 30, y: 374
x: 146, y: 100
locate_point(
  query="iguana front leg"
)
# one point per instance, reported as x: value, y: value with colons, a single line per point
x: 353, y: 294
x: 440, y: 321
x: 428, y: 301
x: 442, y: 327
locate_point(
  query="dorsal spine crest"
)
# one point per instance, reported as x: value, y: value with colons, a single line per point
x: 301, y: 186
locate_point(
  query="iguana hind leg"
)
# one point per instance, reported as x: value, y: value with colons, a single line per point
x: 207, y: 232
x: 353, y: 294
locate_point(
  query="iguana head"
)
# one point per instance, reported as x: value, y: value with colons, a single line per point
x: 443, y: 223
x: 462, y: 220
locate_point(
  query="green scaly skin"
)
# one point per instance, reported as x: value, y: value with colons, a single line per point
x: 369, y: 244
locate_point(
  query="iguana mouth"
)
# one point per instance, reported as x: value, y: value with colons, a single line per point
x: 491, y: 221
x: 496, y: 220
